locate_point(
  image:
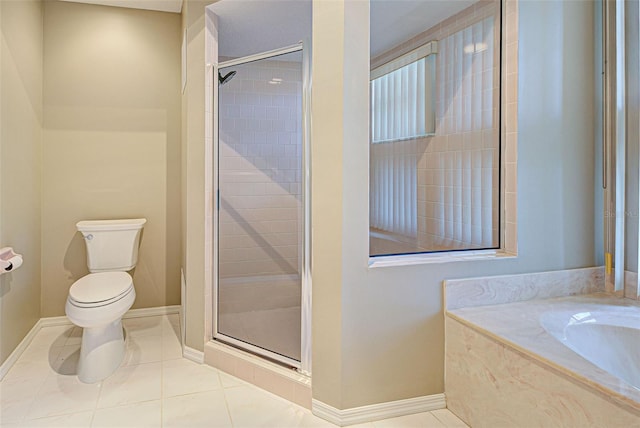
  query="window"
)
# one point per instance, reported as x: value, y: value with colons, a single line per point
x: 402, y: 97
x: 435, y: 129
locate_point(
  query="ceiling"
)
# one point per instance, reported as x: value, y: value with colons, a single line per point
x: 395, y: 21
x: 251, y: 26
x: 174, y: 6
x: 247, y: 27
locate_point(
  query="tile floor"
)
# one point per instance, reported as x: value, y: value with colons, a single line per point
x: 154, y: 387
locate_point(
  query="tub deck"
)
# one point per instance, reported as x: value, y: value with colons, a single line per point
x: 517, y: 325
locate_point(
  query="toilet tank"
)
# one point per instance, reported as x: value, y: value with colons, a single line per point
x: 112, y: 245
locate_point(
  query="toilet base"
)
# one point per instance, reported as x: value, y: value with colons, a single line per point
x: 101, y: 352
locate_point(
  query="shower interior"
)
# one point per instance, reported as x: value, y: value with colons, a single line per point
x: 260, y: 235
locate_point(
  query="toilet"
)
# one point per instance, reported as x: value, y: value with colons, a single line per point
x: 98, y: 301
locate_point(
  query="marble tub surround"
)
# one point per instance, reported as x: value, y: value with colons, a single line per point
x: 493, y: 290
x: 492, y: 384
x: 518, y: 326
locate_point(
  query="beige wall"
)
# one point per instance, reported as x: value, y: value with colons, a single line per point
x: 20, y: 166
x: 193, y: 177
x: 378, y: 333
x: 111, y: 147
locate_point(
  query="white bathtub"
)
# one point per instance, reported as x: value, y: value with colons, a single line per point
x: 608, y: 339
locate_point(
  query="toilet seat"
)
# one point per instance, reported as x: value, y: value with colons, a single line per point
x: 100, y: 289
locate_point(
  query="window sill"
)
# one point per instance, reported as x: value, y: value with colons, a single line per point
x: 437, y: 258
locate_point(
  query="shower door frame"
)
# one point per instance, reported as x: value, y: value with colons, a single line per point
x: 304, y: 365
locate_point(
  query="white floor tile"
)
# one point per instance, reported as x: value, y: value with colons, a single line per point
x: 75, y: 337
x: 35, y: 362
x: 79, y: 420
x: 52, y: 336
x: 143, y: 326
x: 180, y: 377
x: 139, y: 415
x: 171, y: 348
x: 143, y: 349
x: 131, y: 384
x: 157, y: 388
x: 15, y: 398
x: 448, y: 418
x: 67, y: 361
x: 60, y: 395
x: 296, y: 416
x: 252, y: 407
x: 171, y: 325
x: 204, y: 409
x: 228, y: 381
x: 418, y: 420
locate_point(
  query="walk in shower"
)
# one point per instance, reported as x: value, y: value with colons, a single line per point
x: 261, y: 281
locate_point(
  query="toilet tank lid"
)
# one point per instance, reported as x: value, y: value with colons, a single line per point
x: 120, y: 224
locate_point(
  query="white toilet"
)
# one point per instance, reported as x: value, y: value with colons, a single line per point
x: 97, y: 301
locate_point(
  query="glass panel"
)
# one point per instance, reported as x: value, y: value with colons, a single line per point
x: 261, y: 210
x: 438, y: 192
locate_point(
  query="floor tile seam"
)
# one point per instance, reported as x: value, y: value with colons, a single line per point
x: 53, y: 415
x: 226, y: 402
x: 33, y: 399
x: 134, y: 402
x: 440, y: 420
x: 190, y: 393
x: 95, y: 407
x: 130, y: 403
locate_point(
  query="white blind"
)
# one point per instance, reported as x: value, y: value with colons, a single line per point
x: 393, y: 188
x: 402, y: 104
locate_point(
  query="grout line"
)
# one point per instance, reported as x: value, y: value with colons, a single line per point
x: 95, y: 408
x: 224, y: 395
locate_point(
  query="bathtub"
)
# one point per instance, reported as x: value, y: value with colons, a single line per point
x: 565, y: 361
x: 608, y: 339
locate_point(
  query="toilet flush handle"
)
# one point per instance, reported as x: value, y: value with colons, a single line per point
x: 88, y: 237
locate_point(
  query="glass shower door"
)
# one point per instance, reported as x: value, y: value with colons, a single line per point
x: 260, y: 205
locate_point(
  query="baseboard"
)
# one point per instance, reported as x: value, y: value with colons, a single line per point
x: 54, y: 321
x: 183, y: 313
x: 374, y: 412
x: 152, y: 312
x: 62, y: 321
x: 13, y: 357
x: 193, y: 355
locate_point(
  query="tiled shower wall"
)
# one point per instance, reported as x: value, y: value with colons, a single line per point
x: 457, y: 169
x: 260, y: 170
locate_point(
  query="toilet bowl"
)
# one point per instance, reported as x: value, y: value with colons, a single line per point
x: 98, y: 301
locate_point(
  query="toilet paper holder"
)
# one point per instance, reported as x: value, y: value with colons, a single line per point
x: 9, y: 260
